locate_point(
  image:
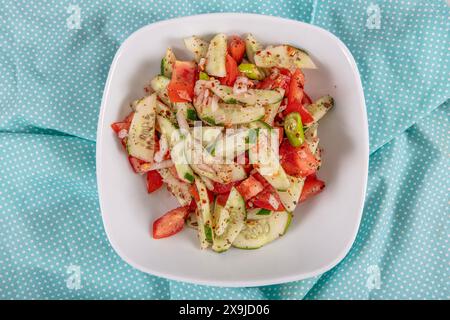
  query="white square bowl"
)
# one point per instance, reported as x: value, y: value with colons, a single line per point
x: 323, y: 228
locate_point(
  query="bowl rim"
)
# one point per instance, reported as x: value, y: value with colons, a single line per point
x: 231, y: 283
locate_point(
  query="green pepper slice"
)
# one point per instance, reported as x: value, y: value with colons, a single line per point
x: 293, y: 127
x: 251, y: 71
x: 203, y: 76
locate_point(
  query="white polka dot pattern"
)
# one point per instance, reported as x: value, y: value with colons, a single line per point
x: 51, y: 82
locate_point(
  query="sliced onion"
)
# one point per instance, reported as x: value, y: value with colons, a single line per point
x: 201, y: 63
x: 205, y: 167
x: 122, y: 134
x: 182, y: 122
x: 273, y: 202
x: 163, y: 148
x: 214, y: 103
x: 240, y: 86
x: 208, y: 182
x: 156, y: 165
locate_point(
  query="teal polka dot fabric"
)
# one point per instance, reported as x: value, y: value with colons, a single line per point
x: 54, y: 61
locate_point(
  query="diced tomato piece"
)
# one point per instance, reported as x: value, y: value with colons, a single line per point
x: 236, y: 48
x: 154, y: 181
x: 119, y: 126
x: 210, y: 196
x: 193, y: 205
x: 232, y: 72
x: 261, y: 179
x: 123, y: 125
x: 297, y: 161
x: 267, y: 199
x: 221, y: 199
x: 124, y: 142
x: 129, y: 117
x: 136, y: 164
x: 174, y: 172
x: 295, y: 97
x: 306, y: 99
x: 311, y: 187
x: 170, y: 223
x: 245, y: 162
x: 277, y: 79
x: 193, y: 190
x: 285, y: 71
x: 298, y: 107
x: 249, y: 188
x: 223, y: 188
x: 181, y: 86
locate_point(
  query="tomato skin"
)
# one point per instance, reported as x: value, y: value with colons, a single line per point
x: 297, y: 161
x: 129, y: 117
x: 181, y: 86
x: 136, y: 164
x: 279, y: 78
x: 154, y: 181
x: 311, y: 187
x: 261, y: 200
x: 123, y: 125
x: 232, y: 72
x: 236, y: 48
x: 261, y: 179
x: 249, y: 188
x: 295, y: 97
x: 170, y: 223
x: 118, y: 126
x: 220, y: 188
x: 221, y: 199
x: 193, y: 190
x: 306, y: 99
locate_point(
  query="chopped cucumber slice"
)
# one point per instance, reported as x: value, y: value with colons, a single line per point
x: 231, y: 145
x: 197, y: 46
x: 278, y: 179
x: 166, y: 127
x: 320, y: 107
x: 187, y: 110
x: 221, y: 217
x: 164, y: 111
x: 141, y: 135
x: 258, y: 213
x: 177, y: 149
x: 259, y: 124
x: 216, y: 56
x: 237, y: 114
x: 252, y: 46
x: 179, y: 189
x: 251, y: 97
x: 204, y: 208
x: 290, y: 197
x: 167, y: 63
x: 236, y: 207
x: 231, y: 114
x: 159, y: 84
x: 311, y: 137
x: 284, y: 56
x: 271, y: 112
x: 257, y: 233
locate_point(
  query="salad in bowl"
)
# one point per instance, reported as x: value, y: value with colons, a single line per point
x: 232, y: 134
